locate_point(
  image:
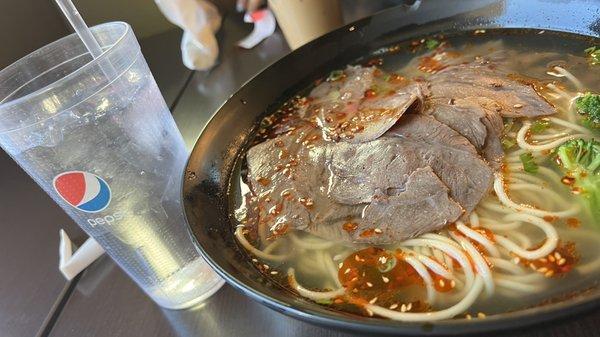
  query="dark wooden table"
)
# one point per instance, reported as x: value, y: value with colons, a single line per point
x: 36, y: 301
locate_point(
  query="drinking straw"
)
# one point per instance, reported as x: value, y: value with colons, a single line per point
x: 85, y: 34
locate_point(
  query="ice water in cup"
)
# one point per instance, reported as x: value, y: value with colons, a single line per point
x: 106, y: 149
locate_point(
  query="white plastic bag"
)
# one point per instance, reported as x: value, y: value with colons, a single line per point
x: 200, y: 20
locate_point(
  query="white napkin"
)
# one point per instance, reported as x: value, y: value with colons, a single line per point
x: 72, y: 264
x: 200, y: 20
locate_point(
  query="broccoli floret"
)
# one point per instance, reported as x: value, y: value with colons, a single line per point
x: 594, y: 55
x: 588, y: 105
x: 580, y: 159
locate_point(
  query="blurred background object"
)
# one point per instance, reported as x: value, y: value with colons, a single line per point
x: 200, y: 20
x: 304, y: 20
x: 143, y: 15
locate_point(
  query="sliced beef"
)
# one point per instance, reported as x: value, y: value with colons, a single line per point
x: 360, y: 106
x: 514, y: 97
x: 287, y: 174
x: 358, y: 171
x: 481, y: 126
x: 423, y: 206
x: 376, y: 116
x: 298, y: 198
x: 427, y: 129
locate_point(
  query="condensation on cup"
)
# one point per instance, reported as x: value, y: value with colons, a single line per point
x: 98, y: 137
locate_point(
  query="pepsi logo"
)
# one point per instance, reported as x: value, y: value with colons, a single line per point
x: 83, y: 190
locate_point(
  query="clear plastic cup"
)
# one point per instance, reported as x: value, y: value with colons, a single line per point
x: 97, y: 136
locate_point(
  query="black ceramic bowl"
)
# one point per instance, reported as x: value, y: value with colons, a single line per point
x: 209, y: 169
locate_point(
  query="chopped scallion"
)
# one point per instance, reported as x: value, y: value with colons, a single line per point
x: 528, y: 162
x: 431, y: 44
x: 539, y: 126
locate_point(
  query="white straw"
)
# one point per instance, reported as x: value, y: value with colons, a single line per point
x: 76, y: 21
x: 85, y: 34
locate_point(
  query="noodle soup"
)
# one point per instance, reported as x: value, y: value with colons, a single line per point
x: 532, y: 235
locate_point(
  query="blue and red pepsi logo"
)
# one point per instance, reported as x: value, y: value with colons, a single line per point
x: 83, y: 190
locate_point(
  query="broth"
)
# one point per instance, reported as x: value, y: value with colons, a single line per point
x: 319, y: 266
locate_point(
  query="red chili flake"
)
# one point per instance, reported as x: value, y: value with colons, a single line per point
x: 569, y: 181
x: 263, y: 181
x: 429, y: 65
x: 350, y: 226
x: 395, y: 78
x: 280, y: 229
x: 367, y: 233
x: 573, y: 222
x: 369, y: 93
x: 307, y: 202
x: 550, y: 218
x: 374, y: 62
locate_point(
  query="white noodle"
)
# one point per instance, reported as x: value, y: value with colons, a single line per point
x: 454, y: 310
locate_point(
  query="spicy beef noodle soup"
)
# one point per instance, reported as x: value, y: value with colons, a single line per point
x: 447, y: 177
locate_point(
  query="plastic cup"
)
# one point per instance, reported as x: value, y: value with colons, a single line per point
x: 106, y: 149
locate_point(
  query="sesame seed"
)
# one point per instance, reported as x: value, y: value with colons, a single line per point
x: 551, y: 258
x: 518, y: 106
x: 532, y: 266
x: 409, y: 306
x: 274, y: 272
x: 543, y: 260
x: 557, y: 255
x: 378, y: 231
x: 369, y: 312
x: 354, y: 290
x: 442, y: 283
x: 468, y: 316
x: 356, y: 258
x: 480, y: 315
x: 543, y: 270
x: 549, y: 273
x: 385, y: 279
x: 347, y: 271
x: 355, y: 278
x: 452, y: 283
x: 561, y: 262
x: 265, y: 266
x: 254, y: 260
x: 369, y: 284
x: 340, y: 265
x: 373, y: 300
x: 394, y: 306
x: 383, y: 259
x: 516, y: 260
x: 403, y: 308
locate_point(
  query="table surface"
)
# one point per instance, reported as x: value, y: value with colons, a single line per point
x: 36, y: 301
